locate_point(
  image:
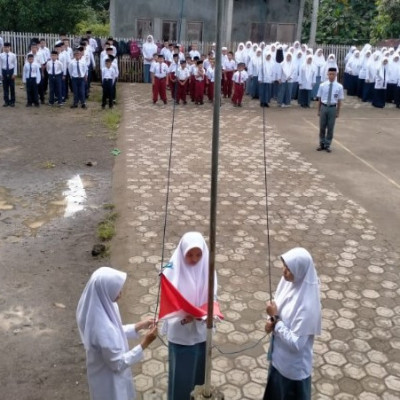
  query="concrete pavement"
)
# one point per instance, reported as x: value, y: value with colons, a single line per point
x: 313, y: 204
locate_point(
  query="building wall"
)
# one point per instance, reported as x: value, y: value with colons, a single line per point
x: 125, y: 13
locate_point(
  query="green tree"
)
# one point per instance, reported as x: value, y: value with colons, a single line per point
x: 341, y: 21
x: 42, y: 16
x: 387, y: 22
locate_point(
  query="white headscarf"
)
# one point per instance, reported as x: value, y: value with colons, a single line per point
x: 240, y: 53
x: 190, y: 280
x: 319, y: 59
x: 97, y: 314
x: 298, y: 302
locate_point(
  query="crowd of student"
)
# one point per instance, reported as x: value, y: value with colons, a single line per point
x: 373, y: 76
x: 60, y: 71
x: 268, y: 72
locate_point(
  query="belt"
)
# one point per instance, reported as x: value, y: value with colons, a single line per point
x: 326, y: 105
x: 160, y: 78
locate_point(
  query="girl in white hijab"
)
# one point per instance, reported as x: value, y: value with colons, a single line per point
x: 240, y: 54
x: 306, y: 82
x: 363, y: 74
x: 352, y: 70
x: 266, y: 77
x: 149, y: 49
x: 372, y: 69
x: 393, y: 77
x: 186, y: 338
x: 287, y: 72
x: 253, y: 70
x: 330, y: 63
x: 108, y: 358
x: 295, y: 319
x: 381, y: 80
x: 319, y: 63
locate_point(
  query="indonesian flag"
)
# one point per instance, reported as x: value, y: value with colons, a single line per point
x: 173, y: 304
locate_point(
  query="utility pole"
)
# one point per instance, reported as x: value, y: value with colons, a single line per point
x: 300, y: 20
x: 314, y: 22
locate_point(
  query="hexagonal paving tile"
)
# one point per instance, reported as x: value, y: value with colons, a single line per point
x: 153, y: 367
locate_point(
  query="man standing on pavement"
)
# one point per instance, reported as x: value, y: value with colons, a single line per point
x: 330, y: 95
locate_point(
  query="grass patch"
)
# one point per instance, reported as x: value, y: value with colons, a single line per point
x: 106, y: 228
x: 109, y: 206
x: 112, y: 119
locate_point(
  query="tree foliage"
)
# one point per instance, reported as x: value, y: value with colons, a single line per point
x: 51, y: 16
x: 387, y: 22
x: 342, y: 21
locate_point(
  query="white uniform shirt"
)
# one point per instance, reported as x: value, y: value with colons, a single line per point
x: 63, y: 57
x: 12, y: 61
x: 58, y: 67
x: 46, y: 53
x: 31, y: 70
x: 240, y: 77
x: 182, y: 73
x: 194, y: 53
x: 229, y: 65
x: 210, y: 73
x: 292, y: 355
x: 109, y: 73
x: 73, y: 68
x: 93, y: 44
x: 337, y: 92
x: 160, y: 70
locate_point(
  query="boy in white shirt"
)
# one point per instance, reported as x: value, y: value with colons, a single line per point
x: 31, y: 76
x: 109, y: 77
x: 55, y: 73
x: 239, y: 78
x: 182, y: 77
x: 228, y: 68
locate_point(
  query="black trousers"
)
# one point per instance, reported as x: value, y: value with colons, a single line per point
x: 108, y: 92
x: 8, y: 86
x: 32, y: 92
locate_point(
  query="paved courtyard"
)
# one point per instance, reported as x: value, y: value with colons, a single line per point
x: 358, y: 354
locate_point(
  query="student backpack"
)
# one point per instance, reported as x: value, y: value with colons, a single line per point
x: 134, y: 50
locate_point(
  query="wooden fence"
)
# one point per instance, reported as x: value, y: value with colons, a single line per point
x: 132, y: 70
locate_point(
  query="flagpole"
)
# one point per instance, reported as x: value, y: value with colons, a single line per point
x: 214, y: 192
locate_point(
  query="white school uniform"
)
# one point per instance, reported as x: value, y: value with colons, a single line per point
x: 34, y: 73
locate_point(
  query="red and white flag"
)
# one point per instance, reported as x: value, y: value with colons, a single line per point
x: 173, y: 304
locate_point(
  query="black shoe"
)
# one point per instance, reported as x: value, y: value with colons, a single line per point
x: 74, y: 106
x: 28, y: 105
x: 37, y: 105
x: 83, y: 105
x: 103, y: 107
x: 5, y: 105
x: 12, y: 105
x: 321, y: 147
x: 165, y: 102
x: 328, y: 150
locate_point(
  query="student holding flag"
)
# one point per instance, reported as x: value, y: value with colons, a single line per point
x: 188, y: 273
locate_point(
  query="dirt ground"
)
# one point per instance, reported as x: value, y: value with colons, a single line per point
x: 45, y: 247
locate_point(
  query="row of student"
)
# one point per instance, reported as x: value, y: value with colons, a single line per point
x: 194, y: 78
x: 373, y: 76
x: 294, y: 319
x: 60, y: 73
x: 265, y: 78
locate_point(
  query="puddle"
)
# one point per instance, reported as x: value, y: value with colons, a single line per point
x: 71, y: 200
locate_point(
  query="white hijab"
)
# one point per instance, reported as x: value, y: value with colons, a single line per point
x: 190, y: 280
x: 298, y: 302
x: 319, y: 59
x: 97, y: 314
